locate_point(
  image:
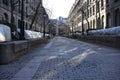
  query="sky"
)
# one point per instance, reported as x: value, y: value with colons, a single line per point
x: 56, y: 8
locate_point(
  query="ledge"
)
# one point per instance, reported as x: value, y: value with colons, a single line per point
x: 108, y: 40
x: 9, y: 51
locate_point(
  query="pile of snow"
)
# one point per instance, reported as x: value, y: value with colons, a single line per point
x: 108, y: 31
x: 5, y: 33
x: 32, y: 34
x: 29, y: 34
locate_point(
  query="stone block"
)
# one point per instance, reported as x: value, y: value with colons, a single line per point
x: 6, y: 52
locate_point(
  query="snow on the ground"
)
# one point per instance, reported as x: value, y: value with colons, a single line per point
x: 5, y: 33
x: 108, y: 31
x: 32, y: 34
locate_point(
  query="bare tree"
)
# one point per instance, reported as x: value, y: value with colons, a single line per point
x: 13, y: 3
x: 35, y: 14
x: 84, y: 6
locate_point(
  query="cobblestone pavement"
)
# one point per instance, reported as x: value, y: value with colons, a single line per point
x: 65, y: 59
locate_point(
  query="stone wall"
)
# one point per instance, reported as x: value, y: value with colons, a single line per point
x: 9, y: 51
x: 108, y: 40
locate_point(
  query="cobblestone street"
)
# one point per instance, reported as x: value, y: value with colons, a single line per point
x: 65, y: 59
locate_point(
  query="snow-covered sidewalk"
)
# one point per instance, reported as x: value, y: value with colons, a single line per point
x: 65, y: 59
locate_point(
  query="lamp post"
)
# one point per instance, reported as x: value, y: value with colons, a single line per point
x: 22, y: 22
x: 44, y: 16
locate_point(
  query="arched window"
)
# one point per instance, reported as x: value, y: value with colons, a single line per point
x: 6, y: 19
x: 108, y: 20
x: 117, y: 17
x: 99, y: 23
x: 102, y: 23
x: 93, y: 24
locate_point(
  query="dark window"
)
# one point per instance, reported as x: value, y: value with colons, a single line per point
x: 6, y: 17
x: 6, y: 2
x: 102, y: 21
x: 102, y: 3
x: 98, y: 7
x: 117, y: 17
x: 116, y: 1
x: 108, y: 20
x: 19, y: 23
x: 98, y: 23
x: 90, y: 11
x: 93, y: 10
x: 26, y: 11
x: 93, y: 24
x: 26, y: 26
x: 107, y: 1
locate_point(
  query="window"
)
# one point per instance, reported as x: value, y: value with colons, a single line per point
x: 93, y: 9
x: 108, y: 20
x: 99, y: 23
x: 88, y: 2
x: 102, y: 3
x: 117, y: 17
x: 107, y: 1
x: 93, y: 24
x: 19, y: 23
x: 98, y: 7
x: 6, y: 17
x: 6, y: 2
x: 26, y: 26
x: 116, y: 1
x: 26, y: 11
x: 102, y: 21
x: 90, y: 11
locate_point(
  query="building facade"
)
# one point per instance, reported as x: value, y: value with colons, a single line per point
x: 61, y: 26
x: 94, y: 14
x: 29, y: 11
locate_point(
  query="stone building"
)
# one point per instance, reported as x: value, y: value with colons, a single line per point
x: 29, y: 10
x: 94, y: 14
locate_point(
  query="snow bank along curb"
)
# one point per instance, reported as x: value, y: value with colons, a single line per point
x: 108, y: 31
x: 109, y: 36
x: 108, y: 40
x: 12, y: 50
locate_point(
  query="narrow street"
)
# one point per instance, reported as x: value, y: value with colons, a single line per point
x: 65, y: 59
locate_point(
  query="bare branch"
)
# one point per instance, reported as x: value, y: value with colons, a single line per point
x: 35, y: 14
x: 16, y: 2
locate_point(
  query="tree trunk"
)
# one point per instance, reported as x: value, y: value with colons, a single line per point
x: 12, y: 8
x: 35, y: 15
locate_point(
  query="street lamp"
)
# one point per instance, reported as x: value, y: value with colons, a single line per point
x: 44, y: 16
